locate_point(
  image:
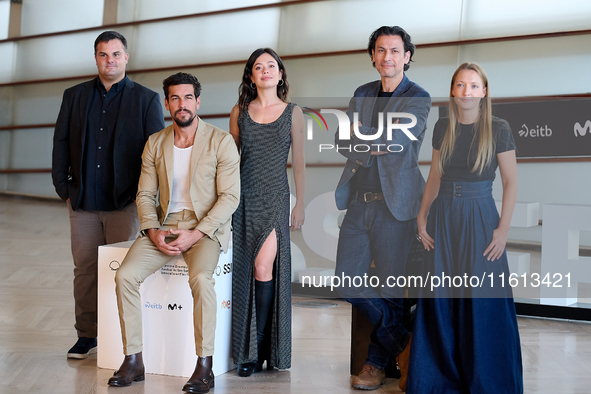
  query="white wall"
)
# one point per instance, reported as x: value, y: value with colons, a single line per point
x: 516, y: 68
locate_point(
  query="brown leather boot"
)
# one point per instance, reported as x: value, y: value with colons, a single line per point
x: 132, y: 370
x: 202, y: 379
x: 370, y: 378
x: 402, y: 360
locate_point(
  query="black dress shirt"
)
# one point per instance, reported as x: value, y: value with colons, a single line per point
x: 103, y: 110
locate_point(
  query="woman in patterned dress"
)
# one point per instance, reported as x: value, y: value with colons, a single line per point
x: 265, y: 126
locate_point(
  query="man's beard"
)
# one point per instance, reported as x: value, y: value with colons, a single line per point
x: 186, y: 123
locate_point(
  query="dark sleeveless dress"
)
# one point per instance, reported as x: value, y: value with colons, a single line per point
x: 264, y: 206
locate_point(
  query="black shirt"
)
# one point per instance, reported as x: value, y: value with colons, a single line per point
x: 459, y: 167
x: 367, y: 179
x: 98, y: 168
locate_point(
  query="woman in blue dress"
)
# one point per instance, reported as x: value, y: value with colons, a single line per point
x: 465, y: 338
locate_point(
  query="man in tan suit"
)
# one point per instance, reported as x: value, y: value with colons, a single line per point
x: 188, y: 189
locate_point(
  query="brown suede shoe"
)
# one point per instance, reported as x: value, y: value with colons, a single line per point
x: 402, y: 360
x: 132, y: 370
x: 202, y: 379
x: 370, y: 378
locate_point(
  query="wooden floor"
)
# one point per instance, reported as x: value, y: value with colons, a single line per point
x: 36, y: 328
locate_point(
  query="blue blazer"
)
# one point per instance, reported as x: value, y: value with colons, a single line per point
x: 401, y: 180
x: 140, y: 116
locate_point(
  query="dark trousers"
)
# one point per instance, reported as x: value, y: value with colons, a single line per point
x: 370, y: 233
x: 89, y: 230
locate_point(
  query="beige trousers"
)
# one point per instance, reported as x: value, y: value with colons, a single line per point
x: 143, y: 259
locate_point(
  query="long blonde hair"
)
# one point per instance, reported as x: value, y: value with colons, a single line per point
x: 483, y: 125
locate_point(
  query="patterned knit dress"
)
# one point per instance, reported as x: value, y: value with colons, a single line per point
x: 264, y: 206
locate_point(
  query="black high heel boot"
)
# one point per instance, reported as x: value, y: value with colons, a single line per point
x: 264, y: 292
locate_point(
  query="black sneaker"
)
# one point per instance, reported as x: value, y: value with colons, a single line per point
x: 82, y: 348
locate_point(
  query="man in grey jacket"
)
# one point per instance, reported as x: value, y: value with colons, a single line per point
x: 381, y: 188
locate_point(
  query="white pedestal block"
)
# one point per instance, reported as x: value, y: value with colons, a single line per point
x: 560, y: 253
x: 167, y: 311
x: 525, y: 214
x: 518, y: 263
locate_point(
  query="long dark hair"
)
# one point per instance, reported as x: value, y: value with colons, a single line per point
x: 245, y: 93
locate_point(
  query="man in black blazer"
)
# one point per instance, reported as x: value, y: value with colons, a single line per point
x: 99, y: 137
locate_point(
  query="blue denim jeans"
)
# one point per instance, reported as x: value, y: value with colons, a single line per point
x: 371, y: 233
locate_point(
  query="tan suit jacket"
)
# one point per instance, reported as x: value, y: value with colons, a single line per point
x: 215, y: 181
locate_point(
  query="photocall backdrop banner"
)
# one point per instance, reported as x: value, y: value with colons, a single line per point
x: 556, y: 128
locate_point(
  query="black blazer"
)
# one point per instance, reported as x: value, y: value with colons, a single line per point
x: 140, y: 115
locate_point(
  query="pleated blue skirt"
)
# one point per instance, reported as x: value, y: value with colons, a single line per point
x: 465, y: 339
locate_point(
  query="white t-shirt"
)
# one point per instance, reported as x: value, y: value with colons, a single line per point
x: 180, y: 198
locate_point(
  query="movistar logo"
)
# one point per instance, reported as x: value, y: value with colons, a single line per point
x: 582, y: 130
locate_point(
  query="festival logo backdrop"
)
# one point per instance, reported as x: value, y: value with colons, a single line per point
x: 557, y: 128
